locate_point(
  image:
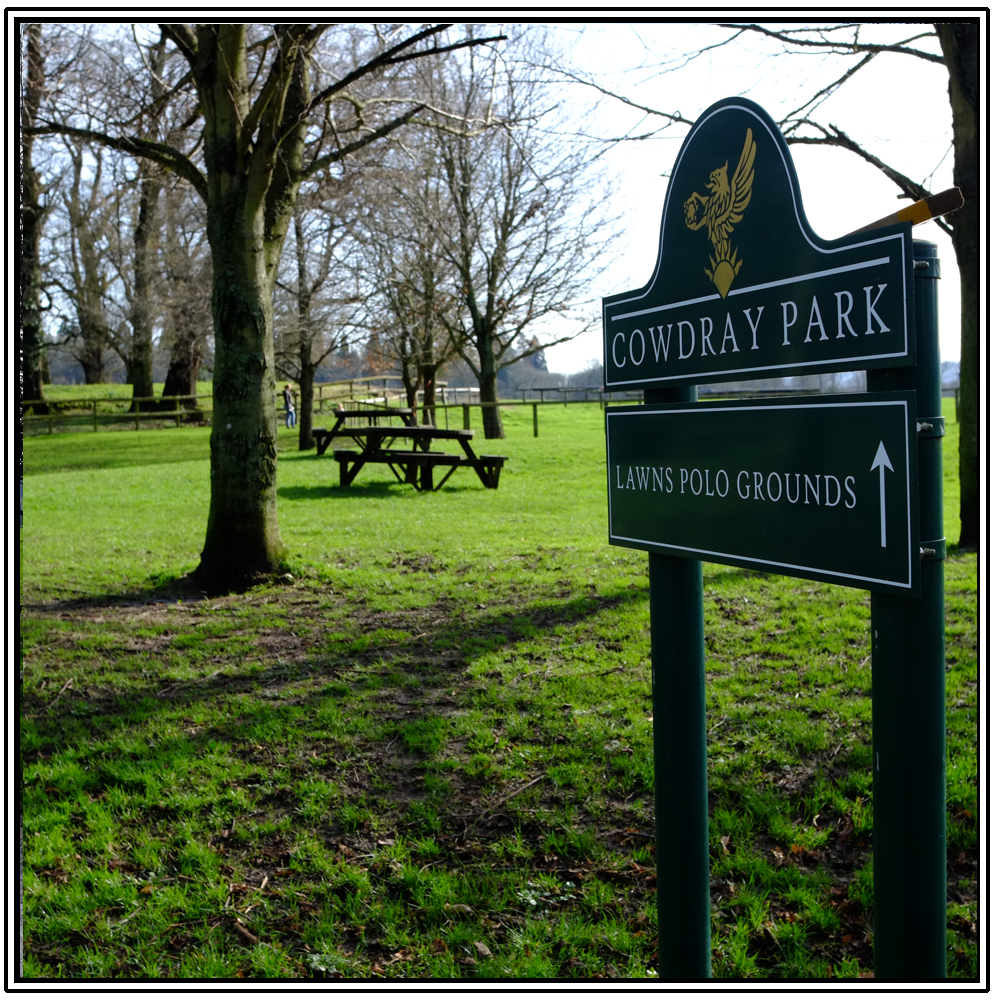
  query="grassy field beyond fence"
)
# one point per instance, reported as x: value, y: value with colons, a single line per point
x: 424, y: 750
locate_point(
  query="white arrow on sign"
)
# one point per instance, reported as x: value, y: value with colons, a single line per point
x: 882, y: 463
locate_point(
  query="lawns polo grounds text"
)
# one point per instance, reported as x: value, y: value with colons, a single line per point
x: 425, y: 750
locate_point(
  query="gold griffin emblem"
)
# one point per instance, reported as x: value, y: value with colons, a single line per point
x: 720, y: 211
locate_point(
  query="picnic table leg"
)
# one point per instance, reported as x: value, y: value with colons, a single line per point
x: 491, y: 476
x: 478, y: 465
x: 349, y: 471
x: 427, y: 478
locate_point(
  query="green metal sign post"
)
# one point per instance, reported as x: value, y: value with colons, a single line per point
x: 680, y: 754
x: 846, y: 489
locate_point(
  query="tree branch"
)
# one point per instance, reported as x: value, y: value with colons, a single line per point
x: 324, y: 161
x: 158, y: 152
x: 676, y: 117
x: 843, y: 48
x: 833, y: 136
x: 391, y: 57
x: 815, y: 101
x: 184, y: 38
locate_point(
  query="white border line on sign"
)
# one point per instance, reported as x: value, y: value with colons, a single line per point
x: 708, y: 553
x: 637, y: 382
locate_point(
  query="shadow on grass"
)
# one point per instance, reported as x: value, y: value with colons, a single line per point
x: 388, y: 490
x: 259, y: 714
x: 467, y: 634
x: 375, y: 491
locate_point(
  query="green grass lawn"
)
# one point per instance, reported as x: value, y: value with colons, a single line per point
x: 425, y: 751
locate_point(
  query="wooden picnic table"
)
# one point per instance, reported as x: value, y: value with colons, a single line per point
x: 372, y: 417
x: 417, y: 461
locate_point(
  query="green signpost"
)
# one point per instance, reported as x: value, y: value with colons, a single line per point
x: 843, y: 488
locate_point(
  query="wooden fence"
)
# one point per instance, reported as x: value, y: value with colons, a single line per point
x: 94, y: 414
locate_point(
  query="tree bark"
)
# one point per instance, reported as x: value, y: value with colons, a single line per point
x: 187, y: 296
x: 241, y: 538
x: 89, y: 283
x: 307, y: 378
x: 182, y: 374
x: 429, y: 387
x: 32, y: 215
x: 488, y: 370
x: 91, y: 351
x: 139, y: 363
x: 960, y: 46
x: 307, y: 367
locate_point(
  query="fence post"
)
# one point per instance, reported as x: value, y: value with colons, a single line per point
x: 534, y: 414
x: 94, y: 406
x: 466, y: 417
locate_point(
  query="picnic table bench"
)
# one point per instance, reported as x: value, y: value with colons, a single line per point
x: 416, y: 462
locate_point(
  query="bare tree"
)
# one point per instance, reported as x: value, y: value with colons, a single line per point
x: 415, y: 302
x: 518, y: 214
x: 316, y: 302
x: 184, y: 290
x: 88, y: 274
x: 139, y: 359
x: 265, y: 130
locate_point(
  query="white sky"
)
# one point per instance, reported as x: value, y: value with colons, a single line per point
x: 896, y: 107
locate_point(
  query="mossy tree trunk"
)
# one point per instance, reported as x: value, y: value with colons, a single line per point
x: 249, y: 192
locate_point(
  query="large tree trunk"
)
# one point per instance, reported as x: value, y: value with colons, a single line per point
x: 32, y: 213
x: 307, y: 368
x: 960, y: 47
x: 410, y: 386
x: 492, y: 421
x: 182, y: 374
x: 186, y: 353
x: 307, y: 377
x: 241, y: 540
x: 91, y: 351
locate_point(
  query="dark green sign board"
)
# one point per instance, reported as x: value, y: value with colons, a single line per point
x: 822, y: 488
x: 743, y: 288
